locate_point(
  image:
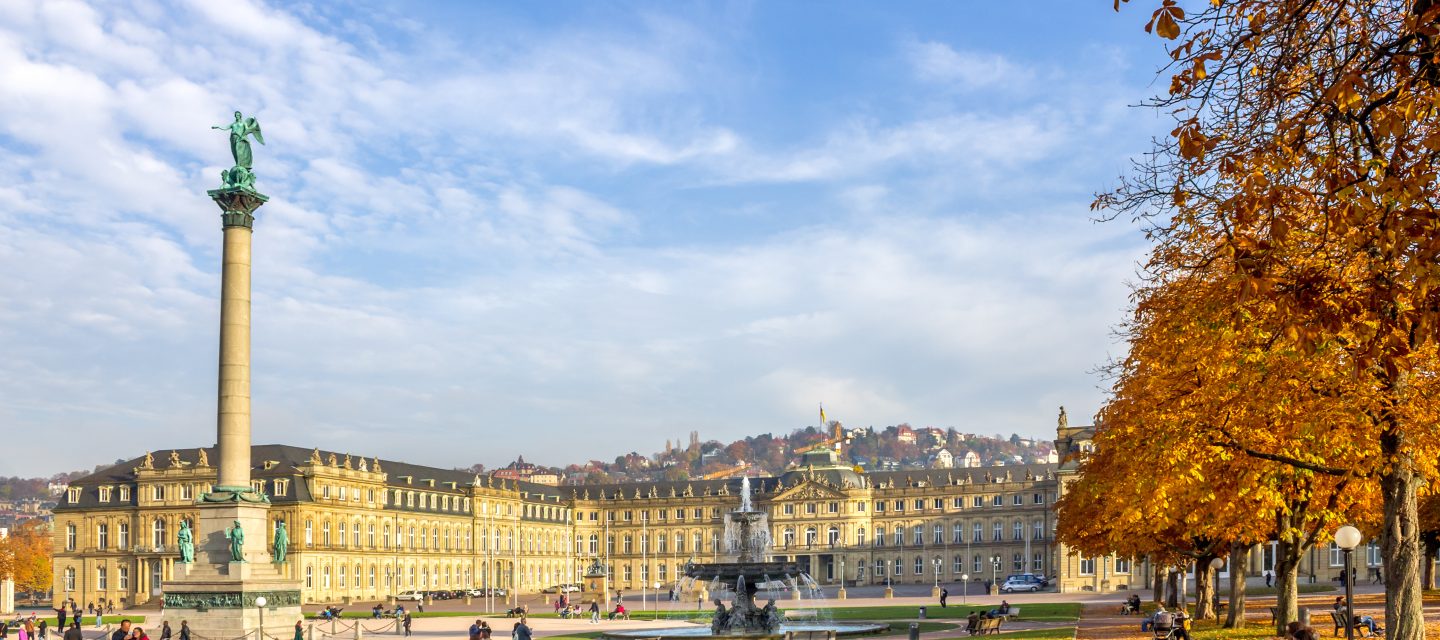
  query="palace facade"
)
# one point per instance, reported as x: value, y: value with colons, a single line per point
x: 363, y: 529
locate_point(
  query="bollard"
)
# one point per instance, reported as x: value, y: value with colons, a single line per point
x: 310, y: 631
x: 359, y: 633
x: 1304, y: 616
x: 914, y: 631
x: 922, y: 613
x: 332, y: 626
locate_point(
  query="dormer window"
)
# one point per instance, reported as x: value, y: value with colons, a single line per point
x: 72, y: 495
x: 104, y: 495
x: 282, y: 487
x: 124, y: 494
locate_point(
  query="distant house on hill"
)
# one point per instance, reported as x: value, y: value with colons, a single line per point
x: 905, y: 434
x: 522, y: 470
x: 942, y: 460
x: 970, y: 460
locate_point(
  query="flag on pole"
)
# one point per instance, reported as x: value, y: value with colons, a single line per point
x: 822, y: 415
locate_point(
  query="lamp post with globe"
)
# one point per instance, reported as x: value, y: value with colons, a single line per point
x: 1215, y: 565
x: 964, y: 588
x: 260, y: 603
x: 1347, y: 538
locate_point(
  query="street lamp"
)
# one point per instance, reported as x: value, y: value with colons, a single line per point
x: 1347, y: 538
x: 964, y: 588
x: 1215, y: 564
x: 260, y: 602
x: 936, y: 561
x: 994, y: 573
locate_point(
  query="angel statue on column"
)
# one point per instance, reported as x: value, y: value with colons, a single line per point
x: 242, y: 174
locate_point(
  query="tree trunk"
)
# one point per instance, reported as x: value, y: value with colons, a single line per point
x: 1157, y: 582
x: 1400, y: 545
x: 1172, y: 589
x: 1432, y: 545
x: 1204, y: 588
x: 1287, y: 570
x: 1239, y: 570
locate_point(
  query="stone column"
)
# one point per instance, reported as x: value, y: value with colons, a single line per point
x: 233, y: 420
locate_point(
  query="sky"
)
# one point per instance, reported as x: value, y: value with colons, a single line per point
x: 567, y: 230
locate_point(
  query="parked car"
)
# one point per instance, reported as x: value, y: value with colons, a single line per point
x: 410, y: 595
x: 561, y: 588
x: 1022, y: 582
x: 498, y: 592
x: 475, y: 592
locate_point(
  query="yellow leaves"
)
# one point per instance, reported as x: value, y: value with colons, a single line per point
x: 1192, y: 142
x: 1165, y: 21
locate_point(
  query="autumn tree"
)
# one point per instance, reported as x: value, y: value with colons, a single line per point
x: 1303, y: 165
x: 25, y: 556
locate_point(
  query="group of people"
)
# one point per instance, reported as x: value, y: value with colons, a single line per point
x: 972, y: 621
x: 70, y: 610
x: 1162, y: 620
x: 1364, y: 621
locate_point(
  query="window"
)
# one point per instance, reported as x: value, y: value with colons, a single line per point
x: 628, y: 573
x: 1087, y: 566
x: 629, y: 543
x: 341, y: 577
x: 1018, y: 561
x: 102, y: 535
x: 187, y: 492
x: 860, y: 537
x: 977, y: 501
x: 158, y: 492
x: 938, y: 534
x: 122, y: 576
x: 1337, y: 557
x: 72, y: 496
x: 938, y: 503
x: 679, y: 543
x: 919, y: 504
x: 101, y: 582
x: 594, y: 544
x: 1372, y: 554
x: 1018, y: 500
x: 696, y: 543
x: 157, y: 533
x: 958, y: 535
x: 919, y: 566
x: 325, y: 534
x: 1037, y: 531
x: 1019, y: 530
x: 281, y: 487
x: 918, y: 535
x: 976, y: 563
x: 1038, y: 498
x: 104, y: 494
x: 1122, y: 565
x: 997, y: 500
x: 325, y: 578
x: 809, y: 536
x: 340, y: 528
x: 978, y: 533
x: 957, y: 503
x: 680, y: 514
x: 371, y: 582
x: 834, y: 507
x: 69, y: 578
x: 880, y: 568
x: 999, y: 530
x: 832, y: 535
x: 879, y: 506
x: 899, y: 505
x: 661, y: 541
x: 788, y: 536
x: 356, y: 534
x: 899, y: 536
x: 370, y: 536
x: 810, y: 508
x: 957, y: 567
x: 698, y: 513
x: 1037, y: 563
x: 879, y: 536
x: 124, y: 494
x: 122, y: 535
x: 309, y: 533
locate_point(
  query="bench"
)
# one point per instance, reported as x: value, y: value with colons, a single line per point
x: 791, y: 614
x: 989, y: 626
x: 1338, y: 617
x: 1014, y: 613
x: 810, y: 635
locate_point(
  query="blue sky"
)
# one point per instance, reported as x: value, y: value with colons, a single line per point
x: 567, y: 229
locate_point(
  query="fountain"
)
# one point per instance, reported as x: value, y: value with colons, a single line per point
x: 747, y: 570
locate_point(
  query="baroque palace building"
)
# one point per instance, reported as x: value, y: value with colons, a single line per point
x: 362, y: 529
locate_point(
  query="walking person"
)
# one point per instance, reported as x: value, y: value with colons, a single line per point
x: 185, y: 629
x: 100, y: 622
x: 60, y: 617
x: 406, y: 622
x: 299, y: 631
x: 944, y: 595
x: 165, y: 630
x: 74, y: 633
x: 594, y: 612
x: 521, y: 630
x: 1269, y: 578
x: 44, y: 629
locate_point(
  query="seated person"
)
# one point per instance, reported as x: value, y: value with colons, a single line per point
x: 1004, y: 607
x: 375, y: 613
x: 1364, y: 621
x: 1132, y: 605
x: 1149, y: 620
x: 619, y: 611
x: 972, y: 622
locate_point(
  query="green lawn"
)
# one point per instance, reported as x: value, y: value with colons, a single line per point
x: 1038, y: 611
x: 903, y: 628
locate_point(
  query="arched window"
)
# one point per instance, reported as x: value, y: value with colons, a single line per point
x: 340, y: 528
x: 309, y: 533
x: 325, y: 577
x: 810, y: 535
x: 341, y: 576
x: 309, y: 576
x: 788, y: 536
x: 325, y: 533
x: 832, y: 535
x: 69, y: 578
x: 70, y: 540
x: 879, y: 536
x: 594, y: 544
x: 412, y: 537
x: 357, y: 582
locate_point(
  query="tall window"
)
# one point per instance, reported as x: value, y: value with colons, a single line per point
x: 976, y: 563
x: 325, y: 538
x: 325, y: 577
x: 810, y: 536
x: 340, y: 528
x: 1018, y: 561
x: 880, y: 568
x: 370, y: 536
x: 860, y: 536
x: 958, y: 567
x: 1037, y: 530
x: 899, y: 536
x: 999, y: 531
x: 1037, y: 563
x: 102, y: 535
x: 629, y: 546
x: 832, y: 535
x: 309, y: 533
x: 978, y: 533
x: 157, y: 533
x: 1122, y: 565
x: 69, y: 578
x: 309, y: 577
x: 957, y: 536
x: 919, y: 534
x: 594, y: 544
x: 938, y: 535
x: 1019, y: 530
x: 1337, y: 557
x: 101, y: 581
x: 879, y: 536
x: 122, y: 576
x: 919, y: 566
x: 356, y: 534
x: 122, y: 535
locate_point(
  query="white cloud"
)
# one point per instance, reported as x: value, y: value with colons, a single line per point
x: 939, y: 62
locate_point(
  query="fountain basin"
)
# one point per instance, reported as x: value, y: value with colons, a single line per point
x: 753, y: 572
x: 841, y: 629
